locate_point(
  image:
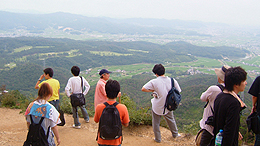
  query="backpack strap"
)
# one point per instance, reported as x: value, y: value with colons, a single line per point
x: 106, y: 104
x: 115, y: 104
x: 31, y: 119
x: 48, y: 132
x: 81, y: 83
x: 42, y: 118
x: 221, y: 87
x: 172, y: 81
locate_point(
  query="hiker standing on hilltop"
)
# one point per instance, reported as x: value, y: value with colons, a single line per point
x: 100, y: 93
x: 227, y: 107
x: 255, y: 92
x: 110, y: 129
x: 161, y: 86
x: 55, y: 85
x: 209, y: 96
x: 74, y: 86
x: 40, y: 111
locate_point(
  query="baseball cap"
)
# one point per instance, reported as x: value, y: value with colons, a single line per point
x: 104, y: 71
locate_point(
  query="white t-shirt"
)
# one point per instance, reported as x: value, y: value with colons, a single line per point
x: 161, y: 85
x: 209, y: 95
x: 74, y: 86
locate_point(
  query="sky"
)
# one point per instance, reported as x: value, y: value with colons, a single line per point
x: 234, y: 12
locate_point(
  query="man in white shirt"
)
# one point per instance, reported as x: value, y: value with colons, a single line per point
x: 74, y: 86
x: 160, y: 87
x: 209, y: 96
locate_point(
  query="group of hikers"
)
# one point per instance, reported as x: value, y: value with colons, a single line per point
x: 222, y: 110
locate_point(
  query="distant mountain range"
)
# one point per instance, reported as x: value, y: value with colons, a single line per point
x: 37, y: 23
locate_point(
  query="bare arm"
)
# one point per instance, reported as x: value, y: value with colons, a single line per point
x: 38, y: 82
x: 254, y: 100
x: 147, y: 90
x: 56, y: 133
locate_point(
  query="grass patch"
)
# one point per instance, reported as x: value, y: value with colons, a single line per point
x: 138, y: 51
x: 11, y: 65
x: 43, y: 46
x: 22, y: 49
x: 108, y: 53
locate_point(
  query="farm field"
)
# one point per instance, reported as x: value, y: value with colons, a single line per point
x: 203, y: 65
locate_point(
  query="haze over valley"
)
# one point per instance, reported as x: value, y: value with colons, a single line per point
x: 129, y: 47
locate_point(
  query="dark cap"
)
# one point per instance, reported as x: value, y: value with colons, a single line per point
x: 104, y: 71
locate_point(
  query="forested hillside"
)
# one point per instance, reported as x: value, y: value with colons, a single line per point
x: 23, y: 59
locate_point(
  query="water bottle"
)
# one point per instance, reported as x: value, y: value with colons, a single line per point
x: 219, y: 137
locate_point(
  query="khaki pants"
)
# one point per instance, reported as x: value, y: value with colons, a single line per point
x: 156, y: 125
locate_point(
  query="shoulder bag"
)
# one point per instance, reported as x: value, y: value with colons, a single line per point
x: 78, y: 99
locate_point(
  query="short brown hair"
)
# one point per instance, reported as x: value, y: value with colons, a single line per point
x: 44, y: 91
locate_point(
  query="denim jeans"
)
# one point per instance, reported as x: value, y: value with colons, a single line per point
x: 257, y: 137
x: 55, y: 103
x: 108, y: 145
x: 76, y: 116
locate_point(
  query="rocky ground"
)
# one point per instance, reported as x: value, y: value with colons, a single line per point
x: 13, y: 132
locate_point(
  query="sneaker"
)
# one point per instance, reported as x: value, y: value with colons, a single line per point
x: 76, y: 127
x: 177, y: 136
x: 87, y: 121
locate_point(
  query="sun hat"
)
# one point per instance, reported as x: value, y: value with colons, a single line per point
x: 220, y: 72
x: 102, y: 71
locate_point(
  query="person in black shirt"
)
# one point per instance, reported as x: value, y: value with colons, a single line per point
x: 227, y: 107
x: 254, y: 91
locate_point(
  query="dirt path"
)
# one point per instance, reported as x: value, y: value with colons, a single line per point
x: 13, y: 132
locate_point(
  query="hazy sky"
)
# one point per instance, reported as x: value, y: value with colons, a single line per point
x: 240, y: 12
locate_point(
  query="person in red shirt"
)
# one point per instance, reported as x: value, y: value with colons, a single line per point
x: 100, y: 93
x: 112, y: 89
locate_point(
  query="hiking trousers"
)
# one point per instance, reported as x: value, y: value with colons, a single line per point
x: 156, y: 119
x: 76, y: 116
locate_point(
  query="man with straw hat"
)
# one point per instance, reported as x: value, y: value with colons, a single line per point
x: 209, y: 96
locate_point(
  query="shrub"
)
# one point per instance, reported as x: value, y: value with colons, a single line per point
x: 191, y: 129
x: 65, y: 104
x: 14, y: 99
x: 137, y: 116
x: 8, y: 101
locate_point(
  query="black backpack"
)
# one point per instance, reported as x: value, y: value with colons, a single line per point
x: 173, y: 98
x: 110, y: 126
x: 36, y: 135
